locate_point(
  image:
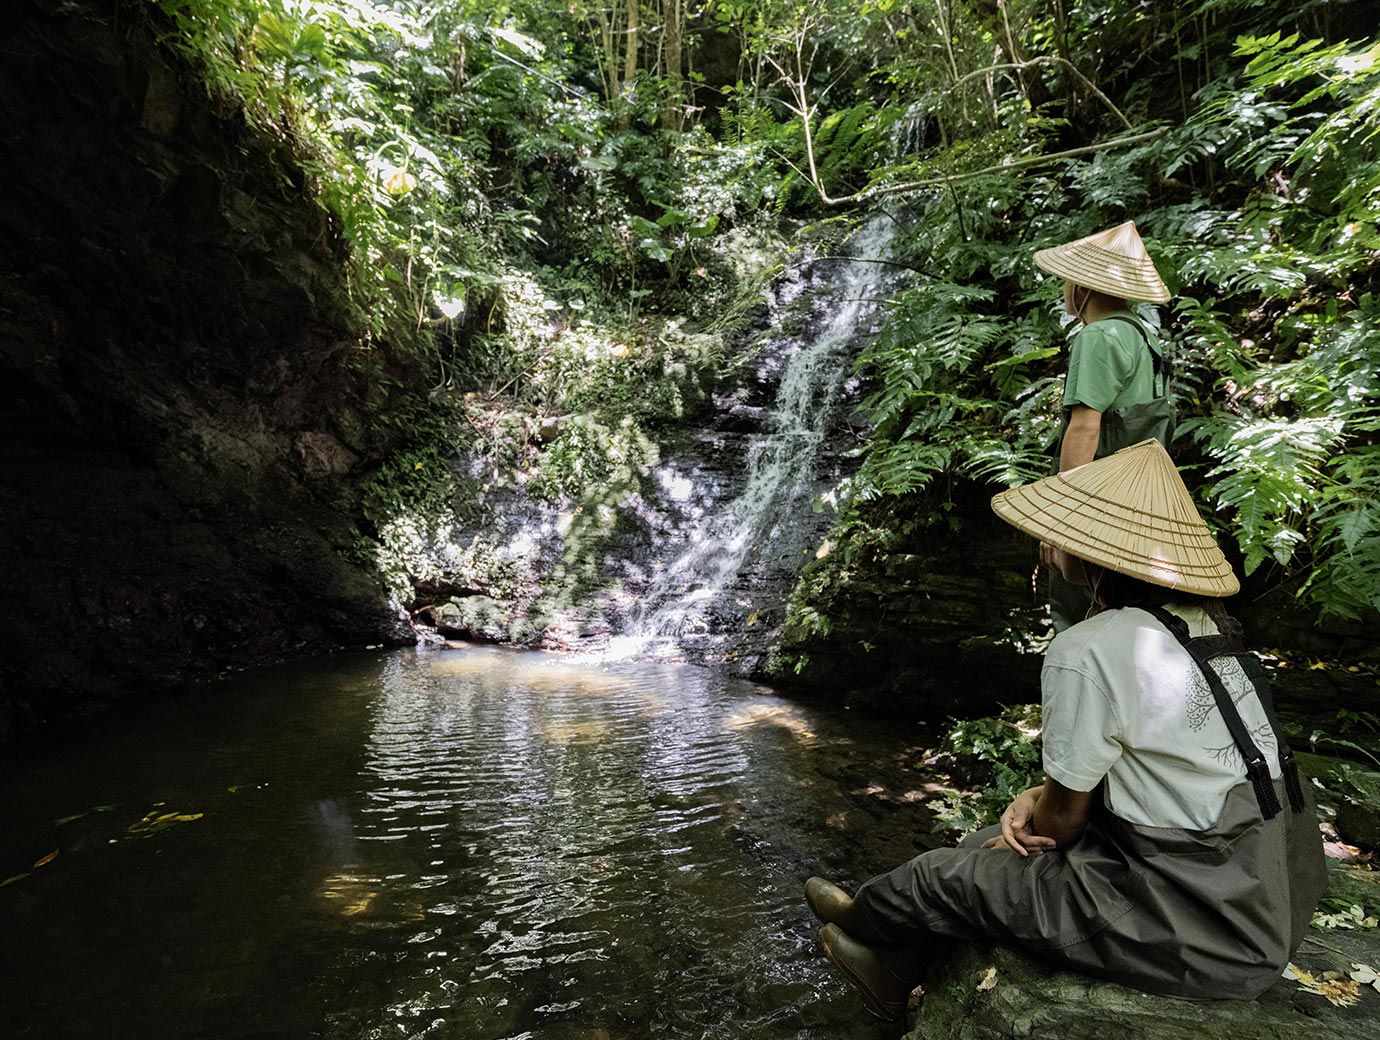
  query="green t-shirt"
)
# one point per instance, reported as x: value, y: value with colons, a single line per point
x: 1109, y: 367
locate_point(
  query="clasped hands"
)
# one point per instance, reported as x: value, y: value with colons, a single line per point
x: 1017, y: 827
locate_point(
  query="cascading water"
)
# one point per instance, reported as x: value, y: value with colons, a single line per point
x: 683, y: 598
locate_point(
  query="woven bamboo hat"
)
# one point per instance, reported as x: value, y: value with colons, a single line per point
x: 1112, y: 261
x: 1128, y: 512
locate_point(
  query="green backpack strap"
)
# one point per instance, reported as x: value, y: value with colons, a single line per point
x: 1157, y: 359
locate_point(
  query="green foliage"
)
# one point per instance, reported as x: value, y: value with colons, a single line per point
x: 1351, y: 731
x: 528, y: 230
x: 992, y: 760
x: 418, y: 478
x: 1270, y: 251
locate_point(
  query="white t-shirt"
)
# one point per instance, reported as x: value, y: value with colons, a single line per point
x: 1124, y: 700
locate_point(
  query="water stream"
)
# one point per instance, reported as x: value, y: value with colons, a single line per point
x: 780, y: 464
x: 476, y: 844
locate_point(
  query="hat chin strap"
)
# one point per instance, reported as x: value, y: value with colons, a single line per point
x: 1094, y: 577
x: 1078, y: 307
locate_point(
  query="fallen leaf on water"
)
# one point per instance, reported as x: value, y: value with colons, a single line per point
x: 47, y: 859
x: 13, y: 878
x: 156, y: 821
x: 988, y: 980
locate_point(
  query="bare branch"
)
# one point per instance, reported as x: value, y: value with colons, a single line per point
x: 1046, y: 59
x: 1007, y: 167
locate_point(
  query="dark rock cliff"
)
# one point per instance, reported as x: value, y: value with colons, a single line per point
x: 183, y: 402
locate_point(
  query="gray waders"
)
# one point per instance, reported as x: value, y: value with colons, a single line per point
x: 1120, y: 428
x: 1215, y: 913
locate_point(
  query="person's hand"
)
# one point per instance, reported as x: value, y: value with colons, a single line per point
x: 1003, y: 842
x: 1016, y: 827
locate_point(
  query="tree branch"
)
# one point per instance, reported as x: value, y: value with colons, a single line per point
x: 1046, y: 59
x: 1007, y: 167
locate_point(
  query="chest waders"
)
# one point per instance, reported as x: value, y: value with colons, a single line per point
x: 1203, y: 914
x: 1119, y: 428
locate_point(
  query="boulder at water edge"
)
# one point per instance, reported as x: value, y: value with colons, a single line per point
x: 1031, y: 998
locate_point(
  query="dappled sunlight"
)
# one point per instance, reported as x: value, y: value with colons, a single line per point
x: 677, y: 486
x: 348, y: 894
x: 782, y: 716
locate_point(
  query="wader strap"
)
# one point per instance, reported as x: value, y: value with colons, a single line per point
x: 1203, y: 649
x: 1158, y: 363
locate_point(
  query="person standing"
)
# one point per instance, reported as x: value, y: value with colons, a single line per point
x: 1116, y: 392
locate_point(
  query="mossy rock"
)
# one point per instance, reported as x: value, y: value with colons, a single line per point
x: 1032, y: 998
x: 1353, y: 790
x: 480, y: 618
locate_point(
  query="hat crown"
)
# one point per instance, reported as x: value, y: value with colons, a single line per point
x: 1114, y: 261
x: 1123, y: 240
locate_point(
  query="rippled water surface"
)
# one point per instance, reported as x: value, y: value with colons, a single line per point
x: 470, y: 844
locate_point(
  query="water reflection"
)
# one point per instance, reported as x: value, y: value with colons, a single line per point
x: 476, y: 844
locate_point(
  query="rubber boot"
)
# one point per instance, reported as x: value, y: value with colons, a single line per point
x: 832, y: 905
x: 884, y: 976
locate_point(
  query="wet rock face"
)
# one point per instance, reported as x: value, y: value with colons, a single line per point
x: 180, y: 417
x: 928, y: 630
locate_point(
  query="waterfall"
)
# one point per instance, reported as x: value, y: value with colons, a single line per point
x: 781, y: 482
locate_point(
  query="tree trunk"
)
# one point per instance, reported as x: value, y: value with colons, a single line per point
x: 1061, y: 39
x: 673, y: 117
x: 630, y: 50
x: 995, y: 17
x: 608, y: 62
x: 634, y: 25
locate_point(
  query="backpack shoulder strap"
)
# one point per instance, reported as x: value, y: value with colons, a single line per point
x: 1205, y: 649
x: 1158, y: 361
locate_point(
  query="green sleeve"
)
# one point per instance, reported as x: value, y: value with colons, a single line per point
x: 1100, y: 367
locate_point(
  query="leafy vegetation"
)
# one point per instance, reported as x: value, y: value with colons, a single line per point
x: 561, y: 207
x: 990, y: 760
x: 1250, y: 168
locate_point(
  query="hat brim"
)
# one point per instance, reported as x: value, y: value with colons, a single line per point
x: 1130, y: 515
x: 1111, y: 273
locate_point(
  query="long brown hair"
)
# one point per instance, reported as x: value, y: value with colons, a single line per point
x: 1112, y: 590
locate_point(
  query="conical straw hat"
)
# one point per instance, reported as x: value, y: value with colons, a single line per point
x: 1112, y: 261
x: 1128, y: 512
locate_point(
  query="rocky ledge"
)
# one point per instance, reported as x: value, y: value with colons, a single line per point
x: 990, y: 992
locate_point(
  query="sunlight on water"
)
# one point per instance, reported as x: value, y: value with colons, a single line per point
x: 466, y: 844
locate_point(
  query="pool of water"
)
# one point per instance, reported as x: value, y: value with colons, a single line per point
x: 471, y: 844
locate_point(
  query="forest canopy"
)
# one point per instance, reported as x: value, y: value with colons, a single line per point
x: 530, y: 191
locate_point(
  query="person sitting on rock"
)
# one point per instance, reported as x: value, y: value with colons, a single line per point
x: 1172, y: 846
x: 1116, y: 392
